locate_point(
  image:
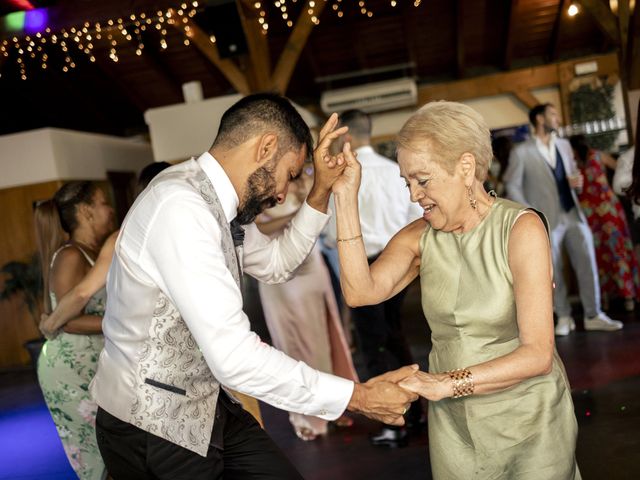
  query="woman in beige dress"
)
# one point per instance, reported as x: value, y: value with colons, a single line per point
x: 499, y: 400
x: 302, y: 314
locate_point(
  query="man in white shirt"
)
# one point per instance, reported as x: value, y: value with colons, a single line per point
x: 175, y: 333
x: 385, y: 208
x: 543, y: 174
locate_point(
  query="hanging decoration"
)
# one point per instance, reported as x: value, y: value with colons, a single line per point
x: 31, y: 33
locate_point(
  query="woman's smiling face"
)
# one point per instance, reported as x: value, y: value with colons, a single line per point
x: 442, y: 195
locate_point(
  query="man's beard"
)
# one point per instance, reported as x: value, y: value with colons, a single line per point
x: 261, y: 194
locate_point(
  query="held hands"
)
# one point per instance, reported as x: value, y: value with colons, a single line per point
x: 431, y: 386
x: 382, y: 399
x: 328, y: 167
x: 349, y: 182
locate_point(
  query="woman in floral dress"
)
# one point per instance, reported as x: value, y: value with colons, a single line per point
x: 69, y: 359
x: 617, y: 266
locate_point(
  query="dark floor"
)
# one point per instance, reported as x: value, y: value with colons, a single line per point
x: 604, y: 370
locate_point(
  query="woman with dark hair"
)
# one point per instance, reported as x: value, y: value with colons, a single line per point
x: 68, y: 361
x: 73, y: 302
x: 617, y: 266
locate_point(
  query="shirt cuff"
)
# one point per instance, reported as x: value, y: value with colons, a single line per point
x: 309, y: 221
x: 332, y: 397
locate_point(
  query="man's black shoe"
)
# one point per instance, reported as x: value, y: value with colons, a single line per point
x: 390, y: 437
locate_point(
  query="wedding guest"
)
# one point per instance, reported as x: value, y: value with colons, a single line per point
x: 68, y: 362
x: 499, y: 400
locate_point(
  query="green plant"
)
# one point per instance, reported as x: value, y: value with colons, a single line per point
x: 25, y: 278
x: 594, y: 103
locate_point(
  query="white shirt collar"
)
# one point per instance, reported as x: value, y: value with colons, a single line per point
x: 552, y: 141
x: 223, y: 186
x: 365, y: 149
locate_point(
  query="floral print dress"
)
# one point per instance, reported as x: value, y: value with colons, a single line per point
x: 617, y: 266
x: 66, y: 366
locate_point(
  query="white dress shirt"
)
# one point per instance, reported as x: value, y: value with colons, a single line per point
x: 548, y: 151
x: 170, y: 241
x: 384, y: 202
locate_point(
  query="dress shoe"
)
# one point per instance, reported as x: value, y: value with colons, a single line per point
x: 565, y: 326
x: 389, y: 437
x: 602, y: 322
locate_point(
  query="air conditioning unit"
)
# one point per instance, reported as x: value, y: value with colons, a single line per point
x: 371, y: 97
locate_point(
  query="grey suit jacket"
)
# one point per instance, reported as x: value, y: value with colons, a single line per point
x: 530, y: 181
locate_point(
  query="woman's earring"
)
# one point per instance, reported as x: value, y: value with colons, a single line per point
x: 472, y: 198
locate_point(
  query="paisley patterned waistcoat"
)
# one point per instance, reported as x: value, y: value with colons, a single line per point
x: 176, y: 394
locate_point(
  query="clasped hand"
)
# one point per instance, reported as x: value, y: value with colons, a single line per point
x: 331, y: 170
x: 382, y: 398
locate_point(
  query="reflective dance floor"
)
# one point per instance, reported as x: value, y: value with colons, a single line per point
x: 603, y: 368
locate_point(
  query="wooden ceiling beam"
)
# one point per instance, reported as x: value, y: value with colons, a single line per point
x: 515, y: 82
x: 260, y: 70
x: 294, y: 46
x: 623, y: 26
x: 527, y: 98
x: 633, y: 50
x: 510, y: 34
x: 203, y: 43
x: 555, y: 33
x: 604, y: 18
x: 459, y: 29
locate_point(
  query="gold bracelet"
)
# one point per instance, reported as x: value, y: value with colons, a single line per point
x: 462, y: 382
x: 349, y: 239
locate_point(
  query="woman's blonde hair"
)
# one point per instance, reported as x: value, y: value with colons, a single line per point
x: 49, y: 237
x: 448, y: 129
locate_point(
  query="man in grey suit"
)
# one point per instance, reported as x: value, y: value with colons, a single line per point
x: 543, y: 174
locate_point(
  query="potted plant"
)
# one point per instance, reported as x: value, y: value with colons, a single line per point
x: 25, y: 278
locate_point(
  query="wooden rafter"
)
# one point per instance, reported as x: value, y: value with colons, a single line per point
x: 633, y: 50
x: 294, y: 46
x: 555, y: 33
x: 459, y: 29
x: 260, y: 71
x: 527, y: 98
x: 510, y: 29
x: 518, y: 82
x: 623, y: 25
x: 604, y: 18
x: 208, y: 48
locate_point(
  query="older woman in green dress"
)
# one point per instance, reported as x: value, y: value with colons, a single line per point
x: 499, y: 400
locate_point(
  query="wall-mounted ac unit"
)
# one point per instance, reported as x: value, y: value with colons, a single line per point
x: 371, y: 97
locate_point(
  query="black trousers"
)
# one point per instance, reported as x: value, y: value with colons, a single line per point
x: 382, y: 340
x: 248, y: 452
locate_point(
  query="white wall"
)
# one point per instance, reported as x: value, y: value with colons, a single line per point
x: 187, y: 129
x: 50, y: 154
x: 499, y: 111
x: 26, y: 158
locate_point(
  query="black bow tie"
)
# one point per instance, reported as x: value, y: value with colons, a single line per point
x: 237, y: 232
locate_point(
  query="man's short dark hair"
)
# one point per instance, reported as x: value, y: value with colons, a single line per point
x: 259, y: 113
x: 359, y: 123
x: 539, y: 109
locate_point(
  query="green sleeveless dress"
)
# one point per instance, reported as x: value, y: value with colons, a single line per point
x: 527, y: 431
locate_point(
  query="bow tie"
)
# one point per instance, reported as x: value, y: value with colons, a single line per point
x: 237, y: 232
